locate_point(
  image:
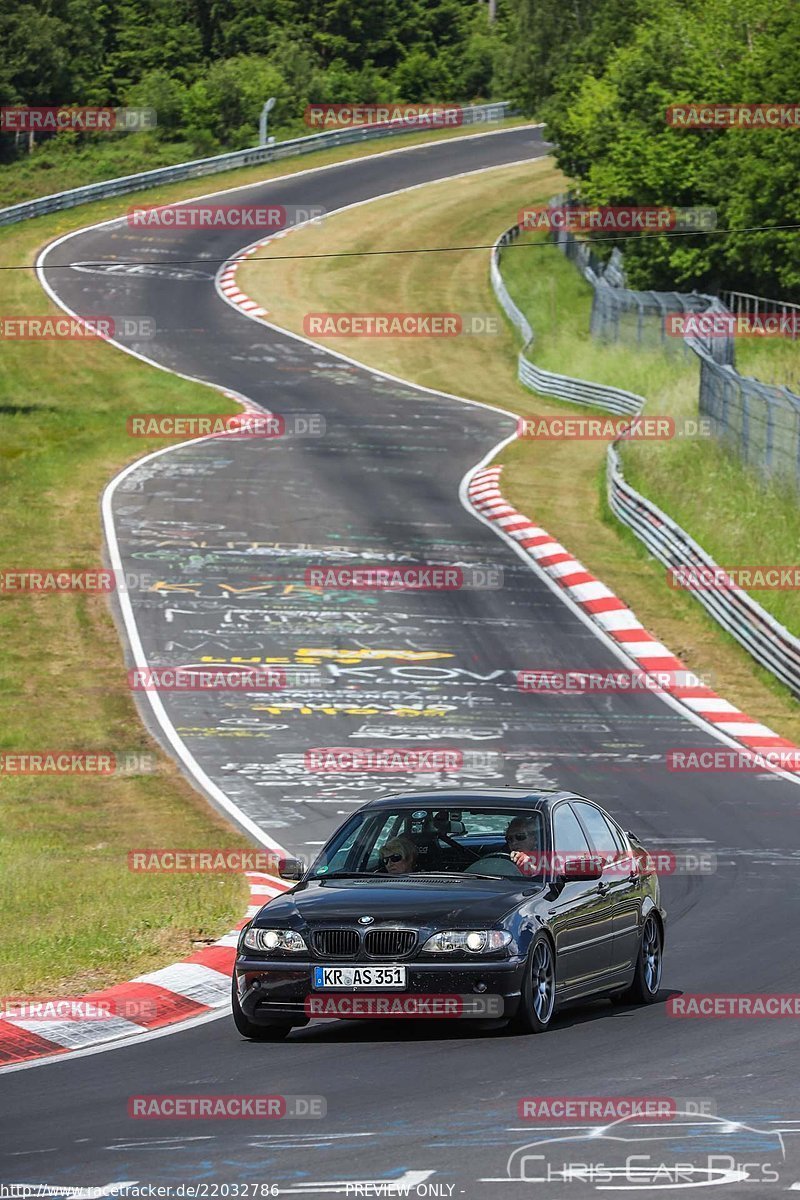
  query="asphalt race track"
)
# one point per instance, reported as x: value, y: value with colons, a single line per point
x: 230, y: 529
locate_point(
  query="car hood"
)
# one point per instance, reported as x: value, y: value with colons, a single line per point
x: 458, y: 901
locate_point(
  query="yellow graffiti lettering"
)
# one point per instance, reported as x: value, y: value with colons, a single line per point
x: 333, y: 710
x: 349, y: 657
x: 238, y: 659
x: 163, y: 586
x: 307, y: 657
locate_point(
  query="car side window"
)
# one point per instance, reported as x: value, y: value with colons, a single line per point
x: 601, y: 834
x: 568, y: 837
x: 362, y: 838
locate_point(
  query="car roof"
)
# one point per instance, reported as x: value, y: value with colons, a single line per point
x: 499, y: 797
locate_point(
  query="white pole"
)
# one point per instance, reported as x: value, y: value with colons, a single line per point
x: 262, y: 121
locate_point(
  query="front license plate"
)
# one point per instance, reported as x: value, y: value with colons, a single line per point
x: 376, y: 978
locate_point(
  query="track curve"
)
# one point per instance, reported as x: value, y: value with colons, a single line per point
x: 385, y: 479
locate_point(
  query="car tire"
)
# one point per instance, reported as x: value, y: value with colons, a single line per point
x: 538, y: 1000
x: 649, y: 963
x: 248, y: 1028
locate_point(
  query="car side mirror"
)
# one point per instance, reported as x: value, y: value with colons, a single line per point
x: 291, y: 868
x: 584, y: 867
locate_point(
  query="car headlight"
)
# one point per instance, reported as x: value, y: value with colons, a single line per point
x: 274, y: 939
x: 474, y: 941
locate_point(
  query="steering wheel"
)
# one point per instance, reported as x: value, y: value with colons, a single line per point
x: 489, y: 859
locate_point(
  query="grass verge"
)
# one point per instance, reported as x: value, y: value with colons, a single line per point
x: 770, y: 360
x: 557, y: 483
x: 72, y: 916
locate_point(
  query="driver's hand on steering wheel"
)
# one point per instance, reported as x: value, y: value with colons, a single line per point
x: 524, y: 861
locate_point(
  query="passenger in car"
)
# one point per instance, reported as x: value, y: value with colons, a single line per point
x: 524, y: 845
x: 398, y: 856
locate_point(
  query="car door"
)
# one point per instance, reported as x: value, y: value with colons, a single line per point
x: 580, y: 912
x: 621, y: 879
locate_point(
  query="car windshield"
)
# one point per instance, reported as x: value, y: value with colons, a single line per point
x: 428, y: 839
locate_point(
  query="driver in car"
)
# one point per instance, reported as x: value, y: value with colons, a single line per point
x: 399, y: 856
x: 522, y: 839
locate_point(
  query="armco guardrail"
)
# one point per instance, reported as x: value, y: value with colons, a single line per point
x: 475, y: 114
x: 761, y: 635
x: 770, y: 644
x: 563, y: 387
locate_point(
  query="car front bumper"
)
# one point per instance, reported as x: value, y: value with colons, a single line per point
x: 276, y: 992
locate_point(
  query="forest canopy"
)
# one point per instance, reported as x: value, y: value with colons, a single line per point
x: 601, y: 73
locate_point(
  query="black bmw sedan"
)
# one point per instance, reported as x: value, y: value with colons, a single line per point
x: 504, y: 903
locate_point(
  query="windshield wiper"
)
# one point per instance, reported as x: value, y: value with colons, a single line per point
x: 345, y: 875
x: 511, y: 878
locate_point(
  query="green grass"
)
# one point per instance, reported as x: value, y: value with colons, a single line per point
x: 770, y: 360
x: 557, y: 300
x: 56, y: 166
x: 72, y: 916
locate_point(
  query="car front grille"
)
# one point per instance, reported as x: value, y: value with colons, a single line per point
x: 336, y: 943
x: 389, y: 943
x: 374, y: 943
